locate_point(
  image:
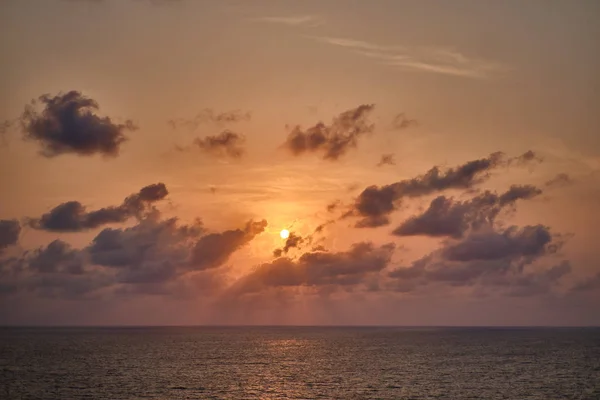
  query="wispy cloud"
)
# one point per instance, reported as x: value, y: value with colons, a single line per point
x: 428, y: 59
x: 294, y: 20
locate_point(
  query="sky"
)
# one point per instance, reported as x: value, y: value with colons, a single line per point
x: 434, y: 163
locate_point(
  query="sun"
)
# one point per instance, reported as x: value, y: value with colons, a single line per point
x: 284, y: 233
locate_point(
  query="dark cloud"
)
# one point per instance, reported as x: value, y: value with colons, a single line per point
x: 56, y: 270
x: 528, y: 157
x: 151, y: 257
x: 331, y: 207
x: 67, y: 285
x: 9, y: 233
x: 210, y: 116
x: 226, y: 144
x: 72, y: 216
x: 401, y: 122
x: 386, y: 159
x: 560, y: 180
x: 145, y: 245
x: 529, y: 241
x: 502, y: 260
x: 534, y: 283
x: 214, y: 249
x: 57, y: 257
x: 321, y: 227
x: 160, y: 250
x: 448, y: 217
x: 376, y: 203
x: 137, y: 203
x: 68, y: 124
x: 292, y: 241
x: 319, y: 268
x: 334, y: 140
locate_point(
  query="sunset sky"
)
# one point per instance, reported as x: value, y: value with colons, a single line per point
x: 435, y: 162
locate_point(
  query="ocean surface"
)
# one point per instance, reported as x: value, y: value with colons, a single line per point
x: 299, y: 363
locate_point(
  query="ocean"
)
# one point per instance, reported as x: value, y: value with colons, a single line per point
x: 299, y: 363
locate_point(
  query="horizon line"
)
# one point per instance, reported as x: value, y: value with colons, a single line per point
x: 296, y: 326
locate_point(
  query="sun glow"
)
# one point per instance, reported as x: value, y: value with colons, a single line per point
x: 284, y: 233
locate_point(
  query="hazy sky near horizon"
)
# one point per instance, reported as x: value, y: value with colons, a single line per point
x: 153, y: 151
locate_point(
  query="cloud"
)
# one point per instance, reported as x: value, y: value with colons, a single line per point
x: 226, y: 144
x: 319, y: 268
x: 294, y: 20
x: 386, y: 159
x: 292, y: 241
x: 588, y: 285
x: 57, y: 257
x: 401, y: 122
x: 154, y: 252
x: 151, y: 241
x: 321, y: 227
x: 334, y: 140
x: 529, y: 241
x: 155, y: 256
x: 448, y: 217
x: 334, y: 205
x: 68, y: 124
x: 208, y: 115
x: 56, y: 270
x: 9, y: 233
x: 375, y: 204
x: 502, y: 260
x: 425, y: 59
x: 526, y: 158
x: 214, y: 249
x: 560, y: 180
x: 72, y: 216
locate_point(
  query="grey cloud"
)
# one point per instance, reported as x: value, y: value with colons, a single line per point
x: 56, y: 270
x: 151, y: 241
x: 57, y: 257
x: 68, y: 124
x: 386, y: 159
x: 226, y: 144
x: 493, y: 259
x: 9, y: 233
x: 335, y: 139
x: 151, y: 256
x: 292, y: 241
x: 68, y: 286
x: 448, y: 217
x: 214, y: 249
x: 529, y: 241
x: 375, y: 203
x: 526, y: 158
x: 520, y: 283
x: 319, y: 268
x: 72, y: 216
